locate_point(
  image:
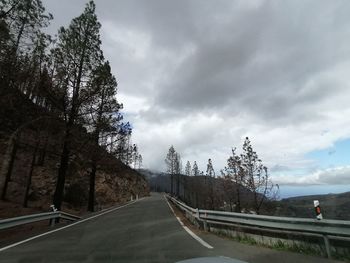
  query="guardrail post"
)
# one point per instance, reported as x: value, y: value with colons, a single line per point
x: 205, y: 225
x: 53, y: 220
x: 327, y: 245
x: 131, y: 198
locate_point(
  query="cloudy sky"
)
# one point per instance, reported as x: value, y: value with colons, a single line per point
x: 203, y: 75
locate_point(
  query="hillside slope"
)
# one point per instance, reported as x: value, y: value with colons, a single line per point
x: 333, y: 206
x: 115, y: 181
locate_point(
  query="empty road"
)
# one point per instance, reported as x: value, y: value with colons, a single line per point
x: 145, y: 231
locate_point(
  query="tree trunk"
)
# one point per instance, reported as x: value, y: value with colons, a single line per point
x: 178, y: 185
x: 91, y: 202
x: 19, y: 36
x: 238, y: 194
x: 256, y: 202
x: 29, y: 179
x: 171, y: 185
x: 9, y: 170
x: 184, y: 187
x: 58, y: 195
x: 42, y: 153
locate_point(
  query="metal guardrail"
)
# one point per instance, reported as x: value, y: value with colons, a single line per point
x: 326, y: 229
x: 22, y: 220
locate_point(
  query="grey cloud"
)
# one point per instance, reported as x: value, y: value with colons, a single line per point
x: 261, y: 63
x: 167, y: 21
x: 248, y: 59
x: 332, y: 176
x: 340, y: 175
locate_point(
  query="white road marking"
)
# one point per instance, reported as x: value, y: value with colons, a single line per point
x: 201, y: 241
x: 61, y: 228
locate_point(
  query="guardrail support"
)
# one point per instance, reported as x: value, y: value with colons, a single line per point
x: 205, y: 225
x: 28, y: 219
x: 327, y: 245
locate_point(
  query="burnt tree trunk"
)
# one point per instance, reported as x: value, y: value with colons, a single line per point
x: 238, y: 194
x: 91, y: 202
x: 29, y: 179
x: 171, y: 185
x: 61, y: 178
x: 9, y: 170
x: 178, y: 185
x: 42, y: 153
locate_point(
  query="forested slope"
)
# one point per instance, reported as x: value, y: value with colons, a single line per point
x: 115, y: 181
x: 63, y: 137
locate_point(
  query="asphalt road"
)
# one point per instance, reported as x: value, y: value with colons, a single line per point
x: 145, y: 231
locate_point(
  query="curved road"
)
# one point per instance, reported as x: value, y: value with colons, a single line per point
x: 145, y: 231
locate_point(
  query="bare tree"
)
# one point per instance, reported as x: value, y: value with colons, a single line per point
x: 256, y: 176
x: 228, y: 190
x: 171, y: 166
x: 234, y: 173
x: 210, y: 191
x: 188, y: 171
x: 210, y: 170
x: 195, y: 170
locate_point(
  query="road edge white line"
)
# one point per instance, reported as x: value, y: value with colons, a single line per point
x: 201, y: 241
x: 64, y: 227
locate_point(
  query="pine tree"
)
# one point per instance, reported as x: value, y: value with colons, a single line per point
x: 256, y: 175
x: 195, y: 170
x: 234, y: 173
x: 188, y: 171
x: 140, y: 161
x: 210, y: 175
x: 103, y: 117
x: 171, y: 164
x: 77, y: 55
x: 210, y: 170
x: 178, y: 168
x: 21, y: 24
x: 122, y: 142
x: 196, y: 186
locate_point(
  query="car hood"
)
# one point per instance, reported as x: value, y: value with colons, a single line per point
x: 211, y: 260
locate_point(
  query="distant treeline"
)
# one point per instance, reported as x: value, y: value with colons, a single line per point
x: 243, y: 185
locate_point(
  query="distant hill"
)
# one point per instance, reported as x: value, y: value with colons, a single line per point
x: 157, y: 181
x: 333, y: 206
x: 202, y: 191
x: 150, y: 173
